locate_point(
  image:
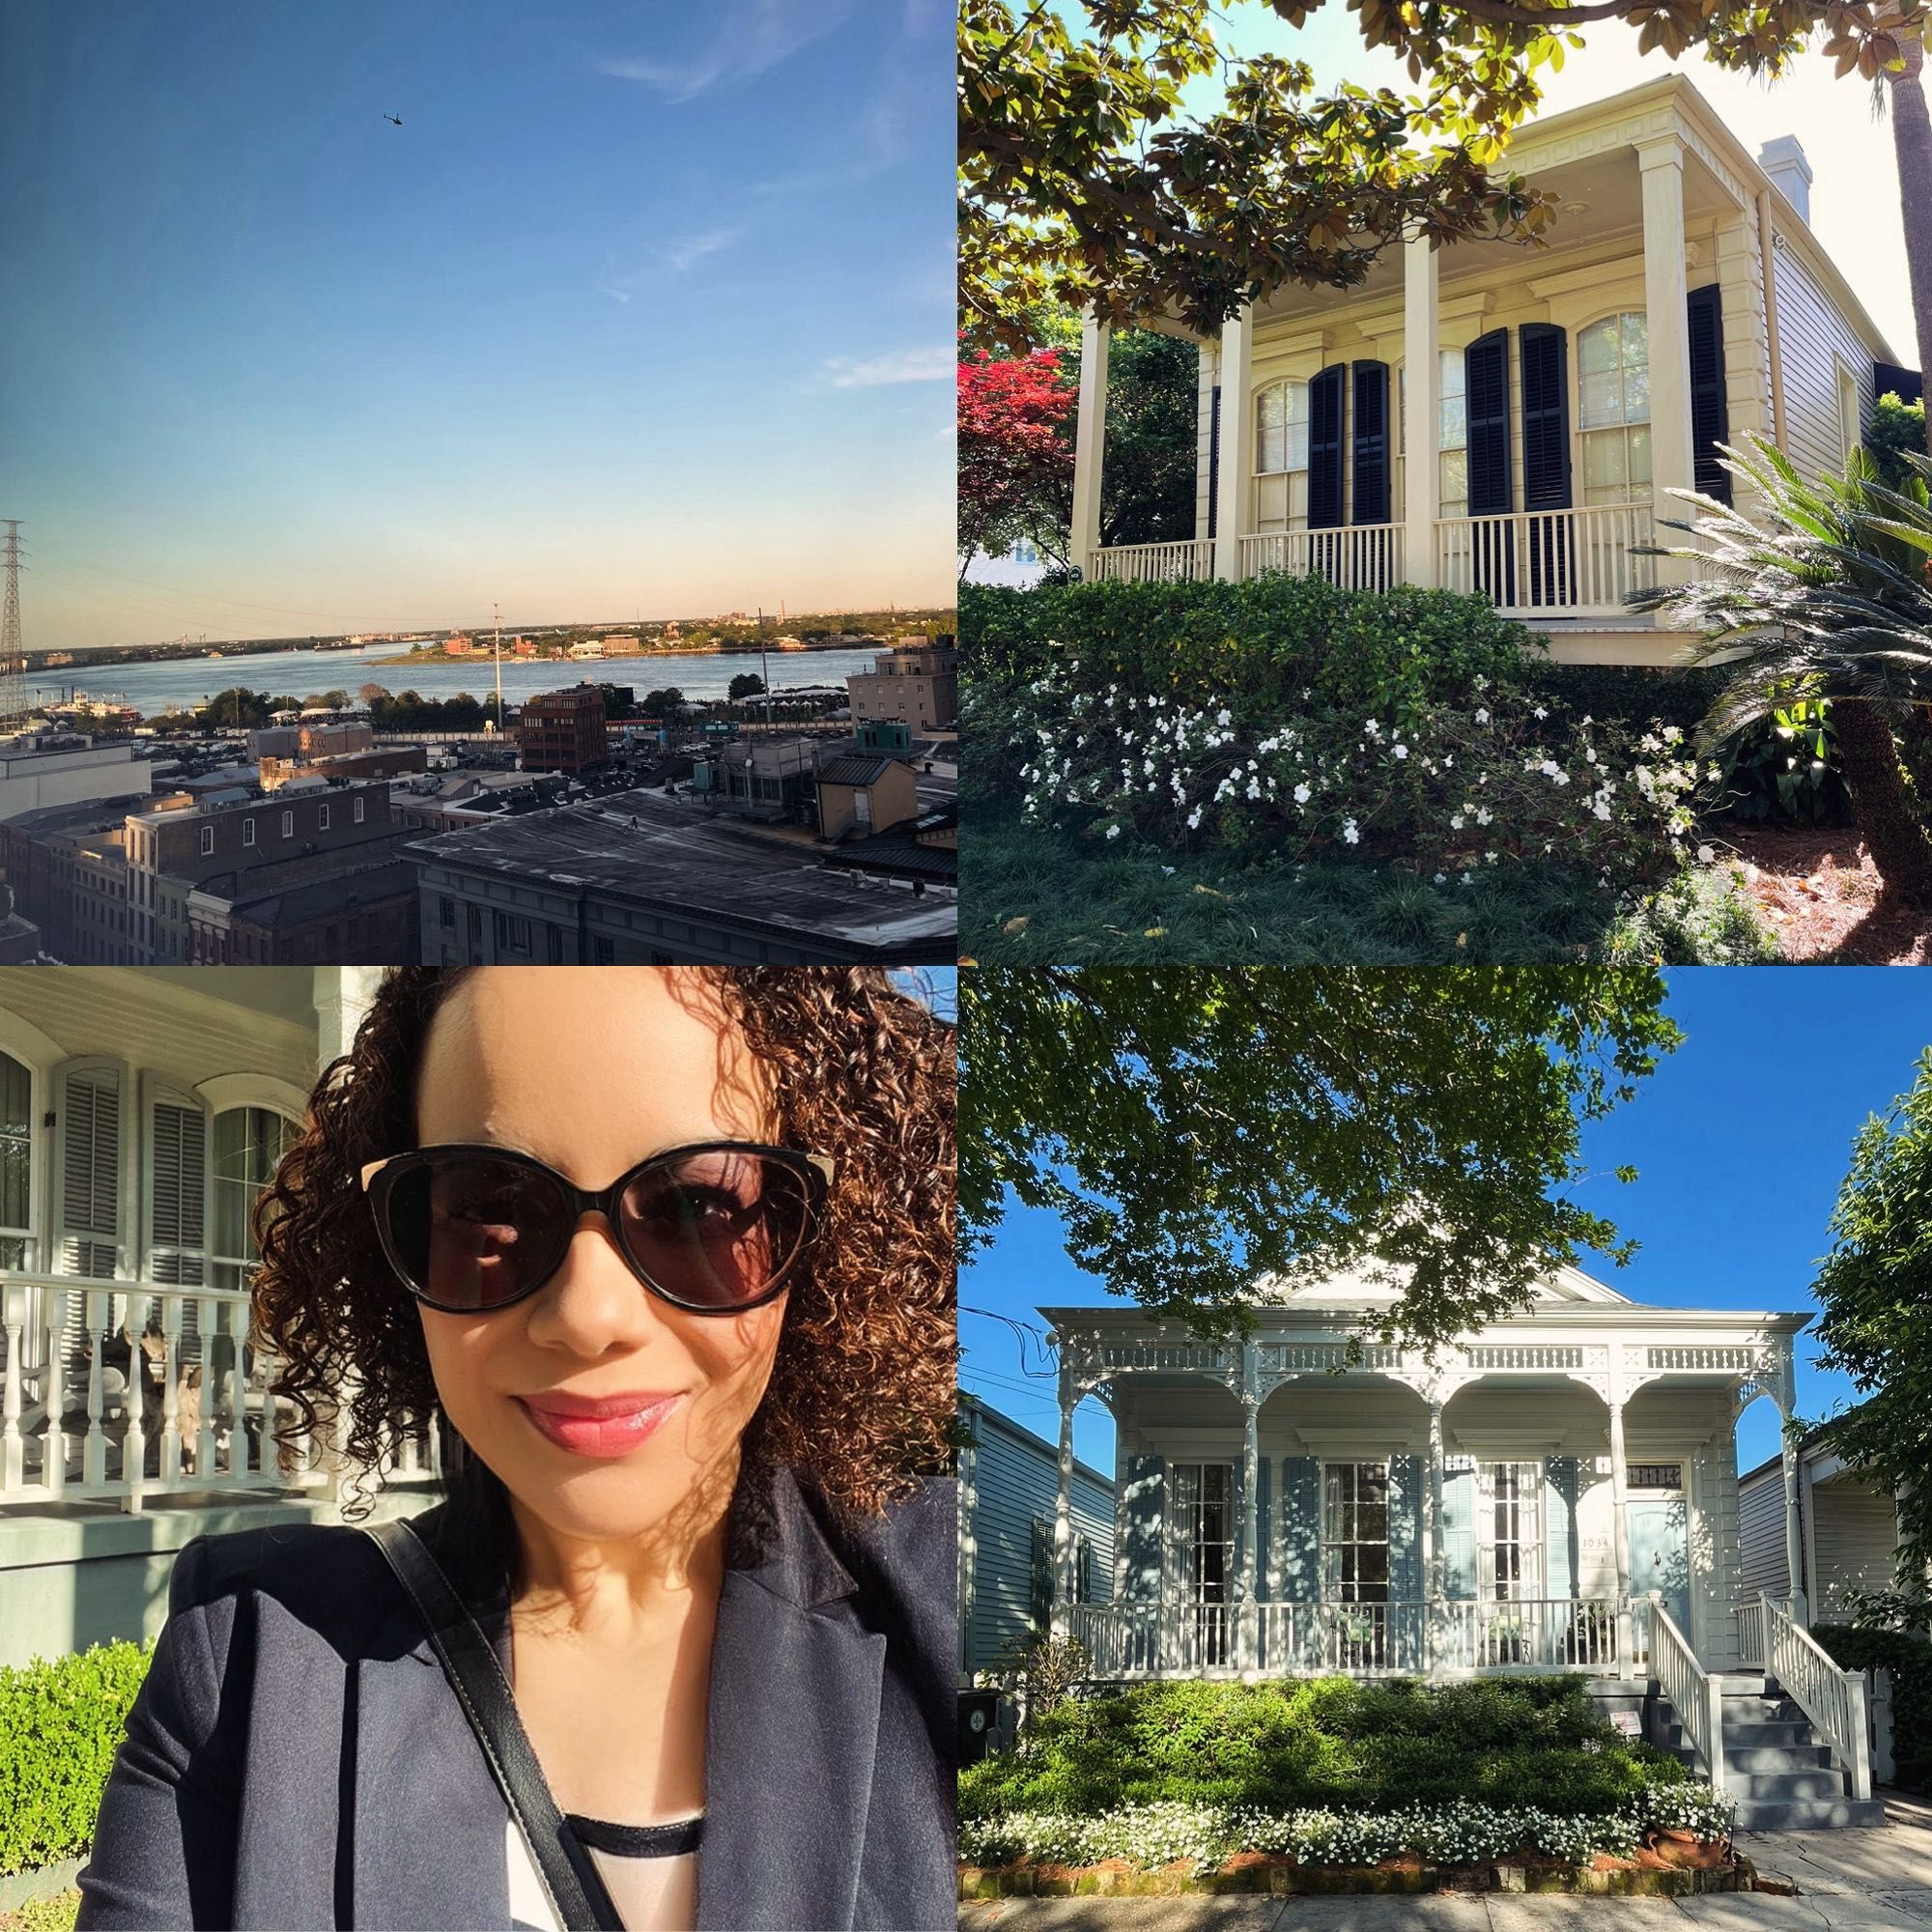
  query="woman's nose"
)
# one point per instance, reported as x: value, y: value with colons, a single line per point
x: 593, y: 1301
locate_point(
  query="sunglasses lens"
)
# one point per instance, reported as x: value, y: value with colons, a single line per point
x: 717, y: 1227
x: 472, y: 1233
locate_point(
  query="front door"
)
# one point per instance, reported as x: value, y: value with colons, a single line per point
x: 1659, y: 1545
x: 1201, y: 1531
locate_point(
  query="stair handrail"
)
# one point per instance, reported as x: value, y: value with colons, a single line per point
x: 1695, y: 1695
x: 1831, y: 1698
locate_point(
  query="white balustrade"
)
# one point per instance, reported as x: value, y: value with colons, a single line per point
x: 1351, y: 556
x: 1833, y: 1699
x: 1577, y: 562
x: 1188, y: 562
x: 138, y: 1360
x: 1695, y: 1695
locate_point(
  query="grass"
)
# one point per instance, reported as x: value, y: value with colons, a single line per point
x: 45, y: 1915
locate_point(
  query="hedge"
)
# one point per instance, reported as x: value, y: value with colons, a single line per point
x: 1909, y: 1658
x: 60, y: 1726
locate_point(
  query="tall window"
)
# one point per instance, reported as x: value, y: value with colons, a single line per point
x: 1848, y: 413
x: 1356, y: 1532
x: 1203, y: 1531
x: 1613, y: 408
x: 1281, y: 456
x: 249, y: 1143
x: 1512, y: 1548
x: 1452, y: 441
x: 16, y: 1156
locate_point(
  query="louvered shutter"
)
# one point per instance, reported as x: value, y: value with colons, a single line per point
x: 1487, y: 399
x: 90, y: 1128
x: 1458, y: 1531
x: 1142, y: 1514
x: 178, y: 1217
x: 1710, y: 411
x: 1214, y: 461
x: 1560, y: 1552
x: 1546, y: 416
x: 1263, y: 1586
x: 1325, y: 447
x: 1372, y: 444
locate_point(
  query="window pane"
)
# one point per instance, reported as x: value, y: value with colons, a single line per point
x: 1636, y: 393
x: 1455, y: 423
x: 1635, y: 341
x: 1454, y: 488
x: 1599, y: 400
x: 1597, y: 347
x: 1455, y: 372
x: 1640, y: 461
x: 1603, y: 459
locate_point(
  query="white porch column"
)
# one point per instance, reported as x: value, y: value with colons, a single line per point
x: 1794, y: 1540
x: 1421, y: 382
x: 1235, y: 484
x: 1620, y: 1534
x: 1664, y: 288
x: 1434, y: 1553
x: 1063, y: 1507
x: 342, y: 997
x: 1090, y: 438
x: 1250, y: 1465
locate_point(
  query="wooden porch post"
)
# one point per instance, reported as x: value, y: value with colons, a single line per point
x: 1234, y: 486
x: 1248, y: 1641
x: 1667, y: 329
x: 1421, y: 381
x: 1793, y: 1540
x: 1620, y: 1533
x: 1063, y: 1507
x: 1090, y: 438
x: 1434, y: 1553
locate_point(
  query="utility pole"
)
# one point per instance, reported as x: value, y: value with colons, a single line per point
x: 13, y: 658
x: 766, y: 664
x: 497, y: 617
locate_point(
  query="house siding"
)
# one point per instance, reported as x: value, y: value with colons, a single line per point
x: 1854, y: 1534
x: 1814, y: 341
x: 1763, y: 1569
x: 1015, y: 1482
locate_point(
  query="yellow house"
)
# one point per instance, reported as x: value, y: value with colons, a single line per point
x: 1684, y: 300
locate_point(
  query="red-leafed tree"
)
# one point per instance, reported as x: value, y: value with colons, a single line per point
x: 1016, y: 456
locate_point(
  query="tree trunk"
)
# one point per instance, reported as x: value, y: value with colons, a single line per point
x: 1912, y: 143
x: 1900, y: 846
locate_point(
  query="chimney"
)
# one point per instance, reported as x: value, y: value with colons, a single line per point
x: 1784, y: 160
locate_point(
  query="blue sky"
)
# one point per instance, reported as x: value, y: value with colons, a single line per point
x: 643, y: 308
x: 1741, y: 1140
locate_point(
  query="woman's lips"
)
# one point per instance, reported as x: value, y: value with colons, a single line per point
x: 611, y: 1430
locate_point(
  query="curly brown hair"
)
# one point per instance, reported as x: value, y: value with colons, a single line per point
x: 860, y: 1401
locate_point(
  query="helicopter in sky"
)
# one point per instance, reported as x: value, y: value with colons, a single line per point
x: 397, y: 118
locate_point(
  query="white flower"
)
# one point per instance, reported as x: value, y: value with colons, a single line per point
x: 1302, y: 794
x: 1484, y: 814
x: 1168, y: 871
x: 1543, y: 711
x: 1350, y: 832
x: 1442, y: 878
x: 1456, y: 822
x: 1402, y: 750
x: 1373, y: 729
x: 1224, y: 717
x: 1113, y: 832
x: 1705, y: 855
x: 1482, y: 716
x: 1194, y: 819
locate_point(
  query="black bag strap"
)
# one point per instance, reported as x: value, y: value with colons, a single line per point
x: 576, y: 1888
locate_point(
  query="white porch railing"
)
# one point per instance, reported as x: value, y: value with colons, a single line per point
x: 1833, y: 1699
x: 1351, y: 556
x: 1695, y: 1695
x: 1539, y: 562
x: 1132, y: 1639
x: 95, y: 1408
x: 1154, y: 564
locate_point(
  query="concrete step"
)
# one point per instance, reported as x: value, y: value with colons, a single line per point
x: 1744, y: 1737
x: 1775, y: 1757
x: 1745, y: 1785
x: 1808, y: 1814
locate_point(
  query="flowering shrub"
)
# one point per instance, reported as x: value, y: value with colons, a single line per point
x: 1462, y: 1832
x: 1496, y: 775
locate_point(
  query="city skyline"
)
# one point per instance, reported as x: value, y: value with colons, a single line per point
x: 645, y: 313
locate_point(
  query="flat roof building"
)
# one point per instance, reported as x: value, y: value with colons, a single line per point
x: 563, y: 732
x: 38, y: 769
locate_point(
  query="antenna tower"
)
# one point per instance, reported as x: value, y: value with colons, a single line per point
x: 13, y: 657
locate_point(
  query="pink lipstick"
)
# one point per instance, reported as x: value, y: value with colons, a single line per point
x: 601, y: 1427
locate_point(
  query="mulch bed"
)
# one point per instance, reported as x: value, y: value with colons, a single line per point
x: 1821, y: 895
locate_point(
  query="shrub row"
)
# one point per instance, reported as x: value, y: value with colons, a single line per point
x: 61, y: 1723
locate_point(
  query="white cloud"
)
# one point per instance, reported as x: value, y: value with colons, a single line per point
x: 680, y: 255
x: 753, y: 38
x: 935, y: 364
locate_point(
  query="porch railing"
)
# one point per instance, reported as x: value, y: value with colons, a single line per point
x: 1352, y: 557
x: 1571, y: 563
x: 1154, y: 564
x: 1695, y: 1695
x: 127, y: 1390
x: 1178, y: 1638
x: 1833, y: 1699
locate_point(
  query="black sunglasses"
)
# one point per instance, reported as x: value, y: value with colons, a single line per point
x: 713, y: 1227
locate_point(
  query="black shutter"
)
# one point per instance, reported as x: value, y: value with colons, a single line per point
x: 1325, y: 447
x: 1546, y: 416
x: 1372, y: 444
x: 1710, y: 413
x: 1485, y: 381
x: 1214, y: 461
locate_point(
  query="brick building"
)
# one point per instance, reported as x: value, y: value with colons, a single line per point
x: 563, y: 732
x: 917, y: 682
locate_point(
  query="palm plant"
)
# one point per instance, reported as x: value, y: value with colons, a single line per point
x: 1820, y: 592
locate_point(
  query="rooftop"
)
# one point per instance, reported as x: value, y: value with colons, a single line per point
x: 642, y: 847
x: 863, y: 769
x: 341, y: 892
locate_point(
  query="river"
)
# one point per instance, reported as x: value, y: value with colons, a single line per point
x: 188, y: 682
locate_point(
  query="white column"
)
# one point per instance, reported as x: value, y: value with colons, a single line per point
x: 1090, y: 438
x: 1063, y: 1507
x: 1235, y: 484
x: 1247, y: 1636
x: 1434, y: 1553
x: 1794, y: 1541
x: 1422, y: 381
x: 342, y: 995
x: 1664, y: 289
x: 1620, y: 1533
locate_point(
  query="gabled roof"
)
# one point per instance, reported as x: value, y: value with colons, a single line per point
x: 1358, y: 1288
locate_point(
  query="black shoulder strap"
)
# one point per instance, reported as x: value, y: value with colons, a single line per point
x: 576, y: 1890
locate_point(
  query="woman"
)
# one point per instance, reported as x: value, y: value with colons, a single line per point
x: 666, y: 1255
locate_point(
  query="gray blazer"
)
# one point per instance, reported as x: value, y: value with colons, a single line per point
x: 297, y: 1757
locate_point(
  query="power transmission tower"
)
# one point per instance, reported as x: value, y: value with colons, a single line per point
x: 13, y: 657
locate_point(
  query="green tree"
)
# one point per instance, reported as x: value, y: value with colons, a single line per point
x: 1897, y: 429
x: 662, y: 704
x: 1082, y: 181
x: 238, y: 708
x: 746, y: 684
x: 1198, y: 1129
x: 1875, y: 1287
